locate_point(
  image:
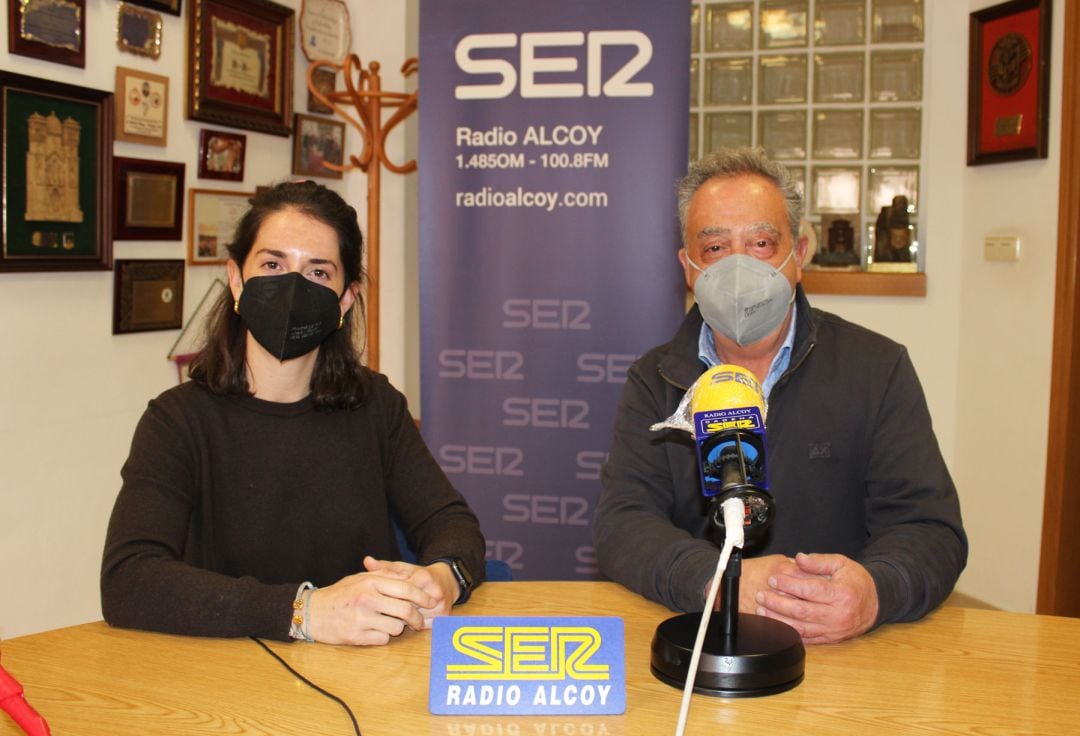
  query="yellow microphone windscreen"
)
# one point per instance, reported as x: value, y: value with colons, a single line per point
x: 727, y: 386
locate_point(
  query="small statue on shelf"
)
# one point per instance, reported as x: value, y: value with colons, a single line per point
x: 892, y: 233
x: 839, y: 246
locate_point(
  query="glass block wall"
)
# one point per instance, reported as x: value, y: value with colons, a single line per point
x: 834, y: 89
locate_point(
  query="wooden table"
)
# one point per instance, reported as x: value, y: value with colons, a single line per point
x: 959, y: 671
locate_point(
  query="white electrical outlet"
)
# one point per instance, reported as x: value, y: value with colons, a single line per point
x: 1001, y: 248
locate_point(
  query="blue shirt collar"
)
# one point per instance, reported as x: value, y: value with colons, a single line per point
x: 707, y: 353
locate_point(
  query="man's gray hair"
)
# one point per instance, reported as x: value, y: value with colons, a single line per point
x: 732, y: 162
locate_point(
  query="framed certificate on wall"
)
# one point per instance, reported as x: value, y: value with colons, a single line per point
x: 240, y: 64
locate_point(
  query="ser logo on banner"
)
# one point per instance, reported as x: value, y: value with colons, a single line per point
x: 485, y: 665
x: 616, y: 84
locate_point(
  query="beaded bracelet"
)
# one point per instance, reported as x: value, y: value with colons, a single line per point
x: 299, y: 626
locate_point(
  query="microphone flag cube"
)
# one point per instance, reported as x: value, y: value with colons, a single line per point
x: 729, y: 429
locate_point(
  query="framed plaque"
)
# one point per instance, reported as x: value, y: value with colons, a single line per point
x: 317, y: 141
x: 212, y: 219
x: 1008, y: 82
x: 142, y: 107
x: 148, y: 295
x: 240, y: 64
x: 149, y: 199
x: 50, y: 127
x: 325, y: 33
x: 324, y: 80
x: 138, y: 31
x: 221, y: 155
x: 53, y: 30
x: 172, y: 7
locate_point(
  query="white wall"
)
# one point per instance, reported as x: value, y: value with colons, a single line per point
x: 71, y: 392
x: 981, y: 339
x: 1003, y: 388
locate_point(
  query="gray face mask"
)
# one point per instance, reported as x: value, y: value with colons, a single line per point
x: 743, y: 298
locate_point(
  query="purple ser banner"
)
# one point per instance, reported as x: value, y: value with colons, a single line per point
x: 551, y: 137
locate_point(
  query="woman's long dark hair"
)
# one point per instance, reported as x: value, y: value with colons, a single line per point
x: 339, y: 379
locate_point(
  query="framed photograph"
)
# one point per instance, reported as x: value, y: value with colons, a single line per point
x: 53, y: 30
x: 240, y: 64
x: 324, y: 80
x: 138, y: 31
x: 149, y: 199
x: 172, y: 7
x: 148, y: 295
x: 221, y: 155
x: 51, y: 127
x: 142, y: 107
x: 318, y: 141
x: 212, y: 218
x: 1008, y: 83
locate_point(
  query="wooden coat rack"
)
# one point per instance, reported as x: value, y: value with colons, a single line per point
x: 364, y: 93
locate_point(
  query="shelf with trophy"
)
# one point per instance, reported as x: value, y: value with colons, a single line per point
x: 833, y: 90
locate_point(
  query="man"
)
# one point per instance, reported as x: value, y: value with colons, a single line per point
x: 867, y: 529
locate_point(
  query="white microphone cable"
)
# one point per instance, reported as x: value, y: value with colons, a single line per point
x: 734, y: 513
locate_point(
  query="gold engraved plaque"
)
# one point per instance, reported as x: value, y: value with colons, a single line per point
x: 1008, y: 125
x: 52, y: 22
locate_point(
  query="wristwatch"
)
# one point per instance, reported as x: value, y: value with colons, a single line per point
x: 461, y: 574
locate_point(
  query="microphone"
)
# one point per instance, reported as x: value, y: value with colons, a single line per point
x: 728, y: 409
x: 13, y: 703
x: 731, y: 654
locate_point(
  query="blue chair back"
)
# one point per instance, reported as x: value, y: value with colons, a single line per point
x: 495, y: 571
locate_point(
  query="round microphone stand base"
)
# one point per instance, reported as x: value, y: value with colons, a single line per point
x: 764, y: 657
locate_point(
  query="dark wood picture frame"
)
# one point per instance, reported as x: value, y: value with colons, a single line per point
x: 148, y: 295
x: 260, y: 35
x: 53, y: 30
x: 32, y: 243
x: 317, y: 139
x: 148, y: 202
x: 326, y: 81
x: 1009, y: 82
x: 221, y: 155
x: 172, y: 7
x: 208, y: 211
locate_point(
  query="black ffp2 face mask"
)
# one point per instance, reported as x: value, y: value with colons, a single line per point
x: 288, y: 315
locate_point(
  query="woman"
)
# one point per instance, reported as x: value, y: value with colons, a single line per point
x: 260, y: 497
